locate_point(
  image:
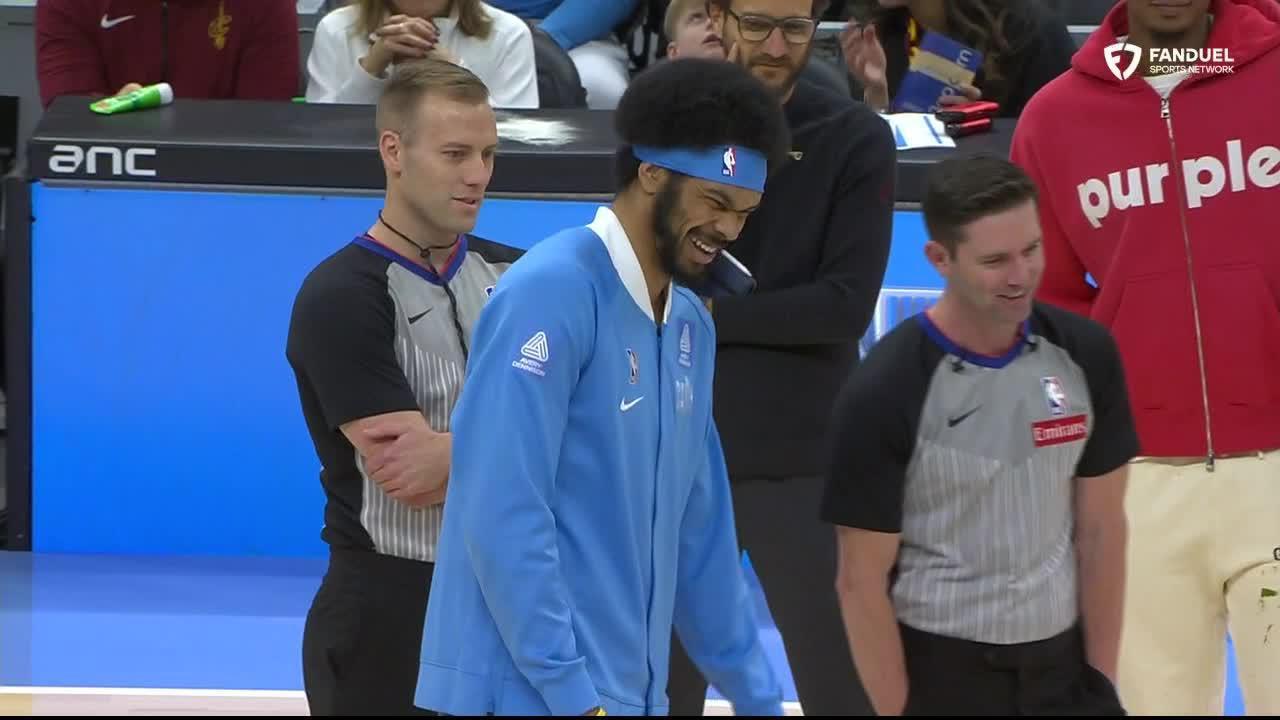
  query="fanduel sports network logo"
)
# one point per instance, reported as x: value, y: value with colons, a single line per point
x: 1166, y: 61
x: 1115, y: 52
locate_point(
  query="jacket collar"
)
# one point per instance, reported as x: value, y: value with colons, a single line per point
x: 607, y: 226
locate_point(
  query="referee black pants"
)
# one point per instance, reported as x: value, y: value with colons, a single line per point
x: 950, y: 676
x: 363, y: 636
x: 794, y: 555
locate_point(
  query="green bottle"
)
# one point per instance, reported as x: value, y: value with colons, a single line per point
x: 151, y: 96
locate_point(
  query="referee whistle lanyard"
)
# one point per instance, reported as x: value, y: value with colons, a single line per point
x: 424, y: 251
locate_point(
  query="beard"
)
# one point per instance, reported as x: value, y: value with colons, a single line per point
x: 668, y: 238
x: 791, y: 77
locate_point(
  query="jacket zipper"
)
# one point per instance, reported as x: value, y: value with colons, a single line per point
x: 653, y: 523
x: 1167, y: 116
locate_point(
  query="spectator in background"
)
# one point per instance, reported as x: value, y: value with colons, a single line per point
x: 222, y: 49
x: 1161, y: 224
x: 690, y: 32
x: 1023, y: 44
x: 818, y: 246
x: 585, y: 29
x: 355, y: 46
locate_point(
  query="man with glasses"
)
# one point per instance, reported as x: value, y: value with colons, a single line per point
x: 818, y: 246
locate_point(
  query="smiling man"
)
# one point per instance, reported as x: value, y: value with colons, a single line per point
x: 588, y: 508
x: 976, y: 473
x: 378, y: 342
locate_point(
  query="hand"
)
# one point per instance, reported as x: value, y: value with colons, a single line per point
x: 864, y: 56
x: 410, y: 462
x: 734, y: 54
x: 128, y: 88
x: 399, y: 38
x: 440, y: 52
x: 968, y: 94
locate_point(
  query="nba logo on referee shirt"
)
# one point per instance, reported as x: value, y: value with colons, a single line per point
x: 1054, y: 395
x: 686, y: 345
x: 730, y: 162
x: 635, y: 366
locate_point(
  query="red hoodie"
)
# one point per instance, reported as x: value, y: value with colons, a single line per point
x: 1174, y: 210
x: 226, y: 49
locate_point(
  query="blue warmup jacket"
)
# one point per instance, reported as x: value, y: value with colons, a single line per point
x: 588, y: 506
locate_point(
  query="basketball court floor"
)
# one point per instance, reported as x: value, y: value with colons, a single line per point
x: 113, y: 635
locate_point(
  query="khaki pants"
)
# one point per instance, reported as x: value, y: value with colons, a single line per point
x: 1203, y: 560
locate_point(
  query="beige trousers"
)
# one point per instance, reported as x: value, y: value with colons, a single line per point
x: 1203, y: 561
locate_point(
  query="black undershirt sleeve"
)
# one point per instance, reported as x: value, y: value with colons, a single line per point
x: 873, y: 432
x: 342, y: 343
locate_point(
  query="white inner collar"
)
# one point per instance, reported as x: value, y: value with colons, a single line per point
x: 609, y: 229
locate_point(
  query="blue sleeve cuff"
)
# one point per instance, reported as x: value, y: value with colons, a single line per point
x: 572, y: 693
x: 577, y: 22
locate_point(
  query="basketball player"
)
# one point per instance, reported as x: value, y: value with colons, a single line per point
x: 589, y: 507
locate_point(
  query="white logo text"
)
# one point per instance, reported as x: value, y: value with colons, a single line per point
x: 123, y: 161
x: 1204, y: 177
x: 533, y: 354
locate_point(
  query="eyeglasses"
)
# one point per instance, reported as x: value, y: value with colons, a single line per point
x: 758, y: 28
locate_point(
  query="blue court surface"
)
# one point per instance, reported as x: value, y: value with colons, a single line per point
x: 189, y: 623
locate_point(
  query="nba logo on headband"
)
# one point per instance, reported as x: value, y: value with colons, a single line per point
x: 730, y: 162
x: 724, y: 164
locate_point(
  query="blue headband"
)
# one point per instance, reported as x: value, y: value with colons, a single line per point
x: 727, y: 164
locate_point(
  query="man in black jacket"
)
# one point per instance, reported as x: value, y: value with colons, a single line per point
x: 818, y: 246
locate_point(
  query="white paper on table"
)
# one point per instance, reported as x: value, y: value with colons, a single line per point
x: 918, y: 130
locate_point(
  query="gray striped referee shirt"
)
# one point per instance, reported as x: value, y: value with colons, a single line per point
x: 973, y: 460
x: 372, y: 332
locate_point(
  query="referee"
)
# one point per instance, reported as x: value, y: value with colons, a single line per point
x: 378, y: 342
x: 979, y: 504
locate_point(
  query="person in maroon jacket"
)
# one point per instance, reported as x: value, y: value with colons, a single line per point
x: 222, y: 49
x: 1158, y: 158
